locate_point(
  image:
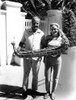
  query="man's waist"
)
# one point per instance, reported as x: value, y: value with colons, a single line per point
x: 54, y: 56
x: 33, y: 58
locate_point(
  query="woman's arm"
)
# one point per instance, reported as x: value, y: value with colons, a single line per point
x: 65, y: 41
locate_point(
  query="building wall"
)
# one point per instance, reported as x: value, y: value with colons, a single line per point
x: 54, y: 16
x: 12, y: 23
x: 3, y: 37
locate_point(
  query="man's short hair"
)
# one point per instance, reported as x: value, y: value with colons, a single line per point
x: 35, y: 18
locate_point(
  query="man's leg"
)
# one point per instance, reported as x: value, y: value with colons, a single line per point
x: 27, y: 68
x: 35, y: 70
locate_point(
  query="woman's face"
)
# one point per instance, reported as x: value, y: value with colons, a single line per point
x: 54, y: 30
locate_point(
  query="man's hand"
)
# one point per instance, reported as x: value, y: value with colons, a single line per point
x: 18, y: 49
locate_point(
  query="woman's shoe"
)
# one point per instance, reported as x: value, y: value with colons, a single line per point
x: 46, y: 96
x: 52, y: 96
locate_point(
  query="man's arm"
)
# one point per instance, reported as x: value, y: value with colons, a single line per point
x: 43, y: 42
x: 22, y: 42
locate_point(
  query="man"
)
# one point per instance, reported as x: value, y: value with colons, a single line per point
x: 53, y: 63
x: 31, y: 41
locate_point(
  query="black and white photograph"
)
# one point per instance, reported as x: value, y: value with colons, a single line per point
x: 37, y: 49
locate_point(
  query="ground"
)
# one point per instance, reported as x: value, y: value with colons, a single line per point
x: 11, y: 78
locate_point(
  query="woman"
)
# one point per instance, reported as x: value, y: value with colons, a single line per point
x: 53, y: 63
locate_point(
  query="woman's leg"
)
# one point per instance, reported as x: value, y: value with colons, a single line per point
x: 47, y: 79
x: 48, y: 70
x: 56, y: 73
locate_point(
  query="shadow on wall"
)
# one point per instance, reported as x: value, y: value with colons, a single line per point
x: 68, y: 73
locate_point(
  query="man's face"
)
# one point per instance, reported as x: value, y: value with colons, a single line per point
x: 35, y: 24
x: 54, y: 30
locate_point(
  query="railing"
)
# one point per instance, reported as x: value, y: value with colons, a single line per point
x: 27, y: 24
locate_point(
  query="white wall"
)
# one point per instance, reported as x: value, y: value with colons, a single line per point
x: 12, y: 23
x: 3, y: 37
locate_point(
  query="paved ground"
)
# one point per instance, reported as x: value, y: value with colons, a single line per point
x: 11, y: 78
x: 71, y: 97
